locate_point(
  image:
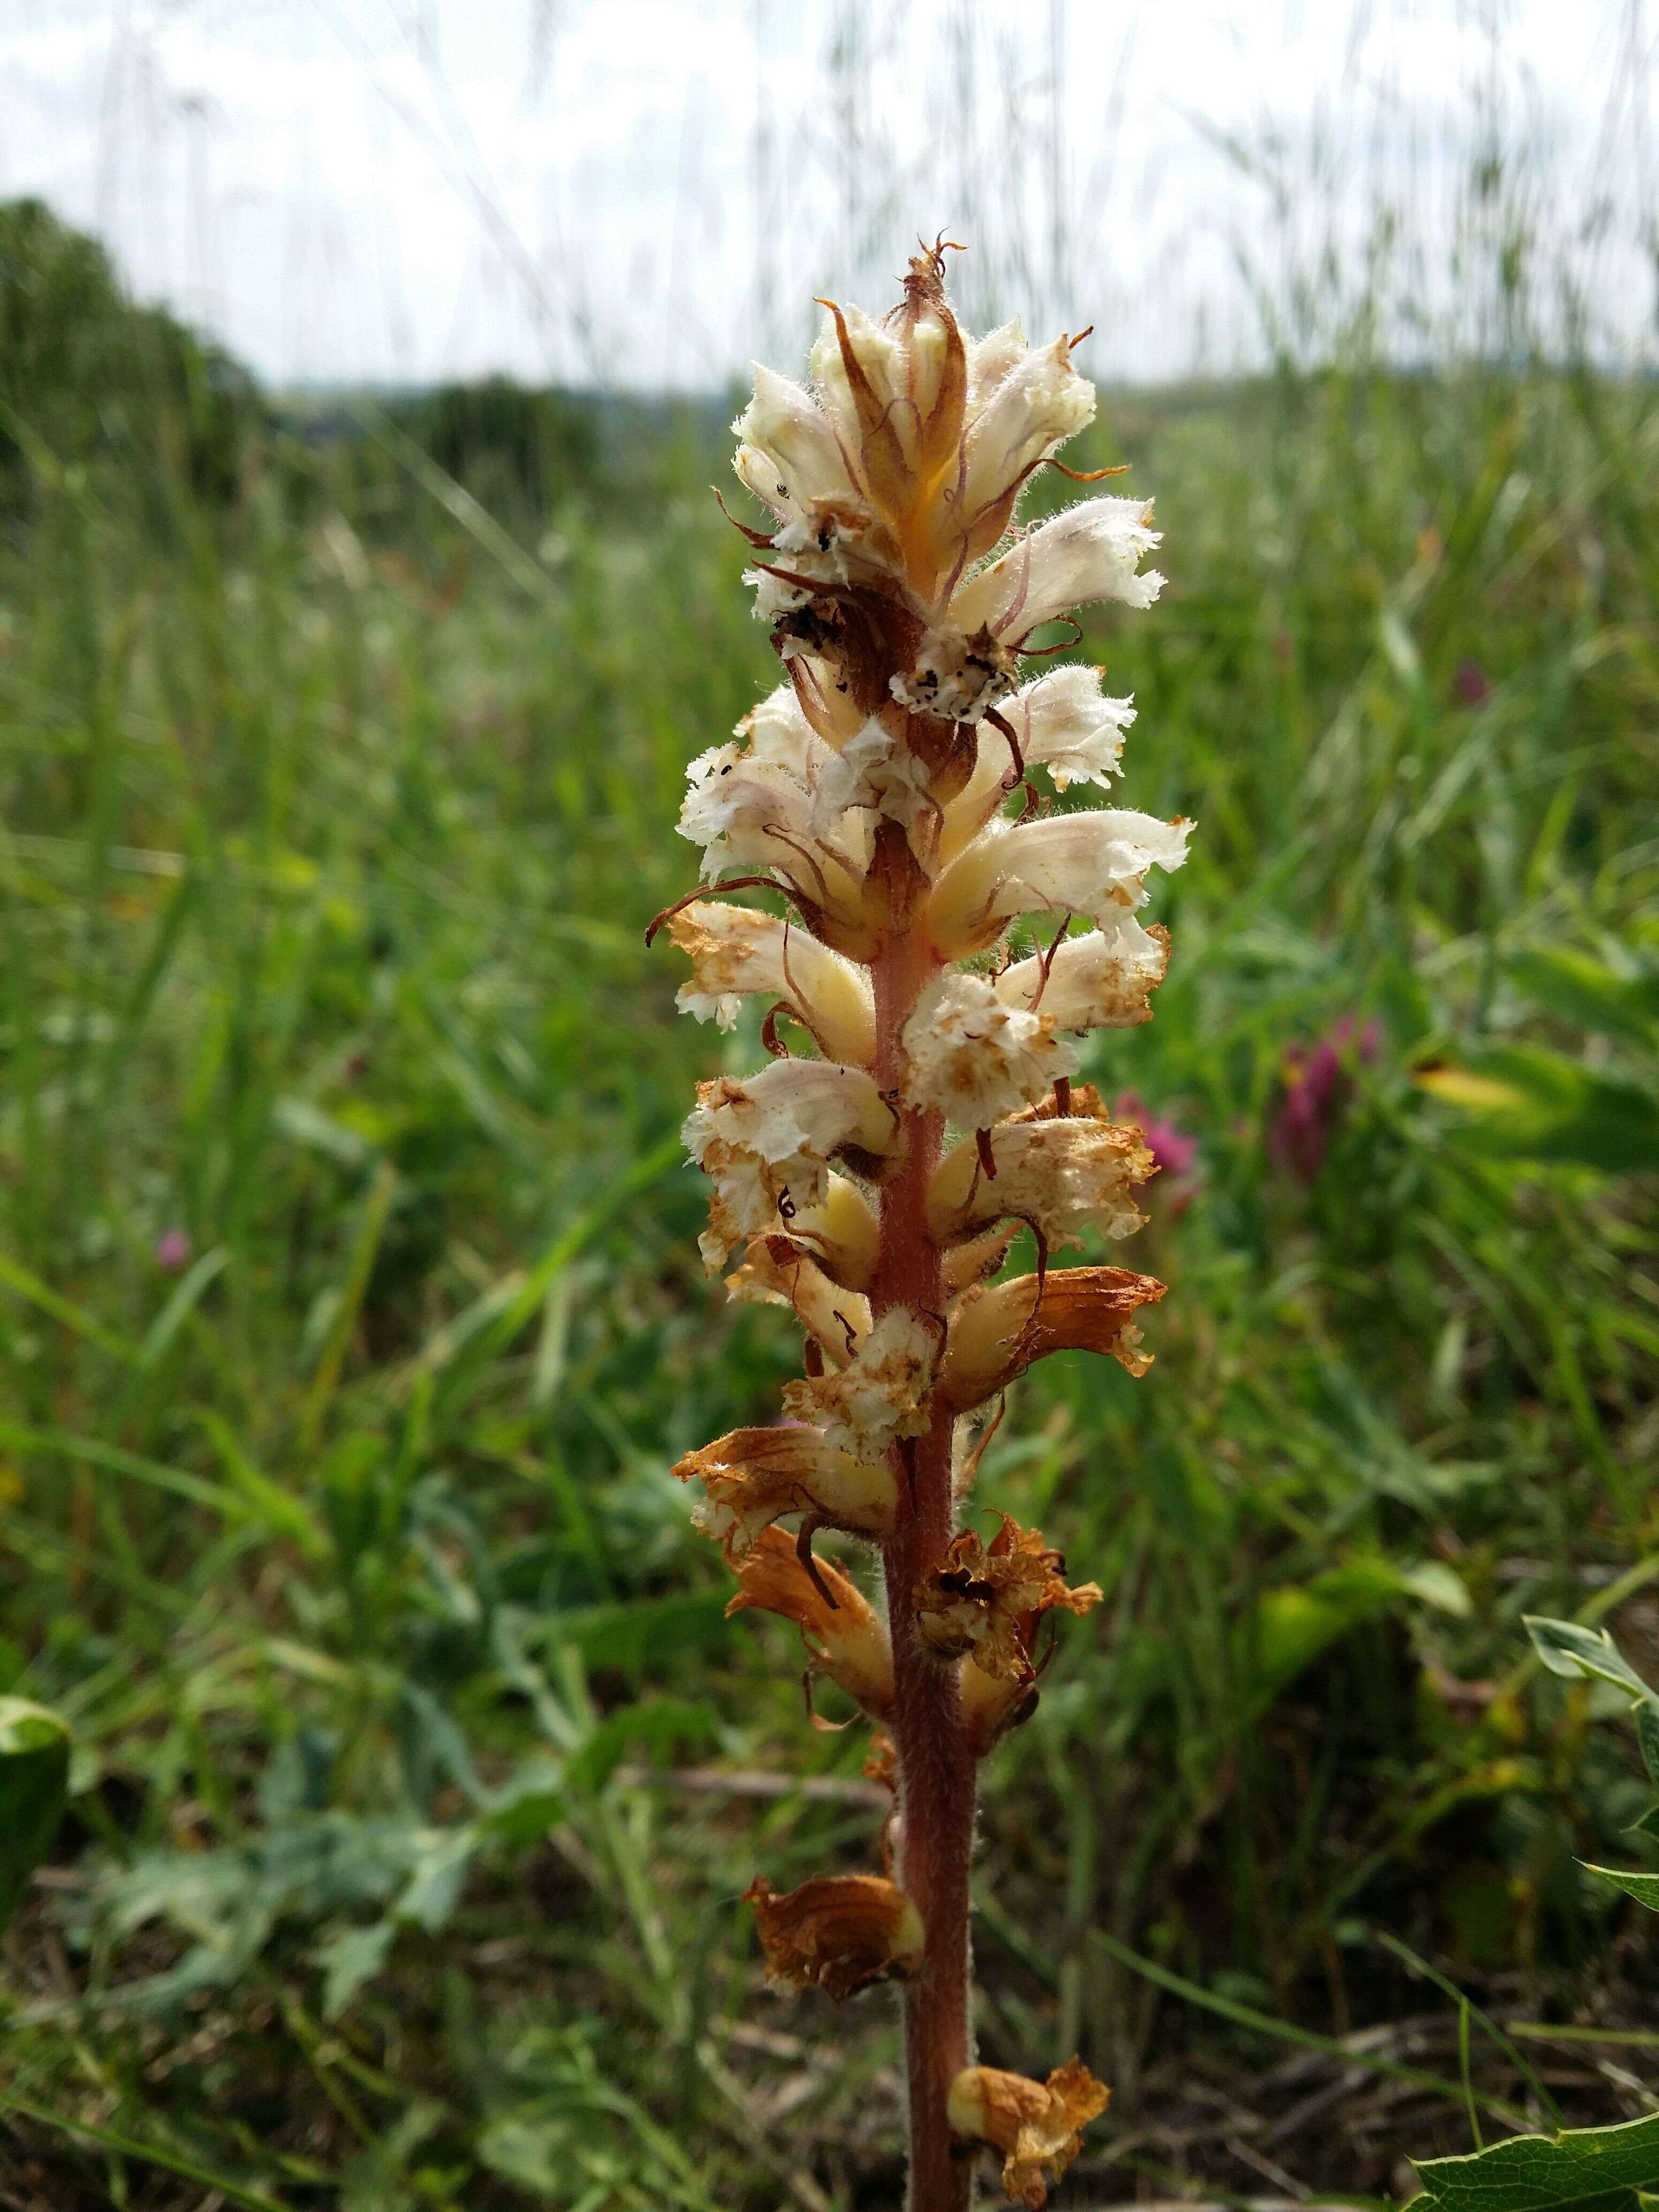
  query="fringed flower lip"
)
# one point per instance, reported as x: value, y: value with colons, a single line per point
x: 1037, y: 2125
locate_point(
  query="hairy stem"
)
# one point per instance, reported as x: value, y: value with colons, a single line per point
x: 937, y: 1770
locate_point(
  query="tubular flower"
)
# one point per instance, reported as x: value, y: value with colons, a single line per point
x: 888, y: 793
x: 1037, y: 2125
x: 880, y: 1395
x: 754, y: 1477
x: 1000, y: 1330
x: 844, y: 1637
x: 1056, y: 1172
x: 1102, y: 980
x: 971, y: 1056
x: 766, y: 1144
x: 774, y: 1272
x: 736, y: 953
x: 988, y: 1599
x: 838, y: 1934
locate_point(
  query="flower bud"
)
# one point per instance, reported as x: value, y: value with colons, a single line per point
x: 1037, y: 2125
x: 789, y: 455
x: 754, y: 1477
x: 845, y: 1638
x: 838, y: 1934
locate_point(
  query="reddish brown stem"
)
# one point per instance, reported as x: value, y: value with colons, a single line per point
x: 937, y: 1768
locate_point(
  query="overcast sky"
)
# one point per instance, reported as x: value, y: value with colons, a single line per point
x: 649, y: 191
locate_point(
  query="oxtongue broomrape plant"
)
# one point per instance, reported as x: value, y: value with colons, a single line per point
x: 919, y: 1110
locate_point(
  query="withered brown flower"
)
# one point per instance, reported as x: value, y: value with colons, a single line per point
x: 988, y: 1599
x: 1037, y: 2125
x: 838, y: 1934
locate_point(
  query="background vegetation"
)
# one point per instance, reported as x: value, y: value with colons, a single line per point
x: 352, y: 1316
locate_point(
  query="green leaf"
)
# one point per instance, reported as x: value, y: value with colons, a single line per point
x: 1588, y: 2169
x: 1523, y: 1103
x: 1647, y: 1737
x: 528, y: 1804
x: 1569, y: 1650
x: 632, y: 1637
x: 351, y: 1958
x: 440, y: 1871
x: 1643, y: 1887
x: 34, y: 1763
x: 1294, y: 1625
x: 1587, y: 992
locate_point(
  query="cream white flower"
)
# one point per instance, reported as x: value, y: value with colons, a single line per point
x: 736, y: 952
x: 1023, y: 402
x: 1059, y: 1173
x: 1063, y: 722
x: 748, y: 809
x: 735, y: 803
x: 789, y: 455
x: 880, y: 1395
x: 1087, y: 552
x: 1100, y: 981
x: 1093, y: 864
x: 777, y: 731
x: 972, y: 1057
x: 877, y: 772
x: 765, y: 1144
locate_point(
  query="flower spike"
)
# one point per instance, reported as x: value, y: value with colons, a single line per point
x: 897, y: 791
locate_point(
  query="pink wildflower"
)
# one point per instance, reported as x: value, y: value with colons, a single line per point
x: 1318, y: 1084
x: 172, y: 1250
x: 1471, y: 685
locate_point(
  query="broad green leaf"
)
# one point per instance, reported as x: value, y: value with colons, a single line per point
x: 1643, y: 1887
x: 1524, y: 1102
x: 351, y: 1958
x: 1568, y: 1649
x: 34, y: 1762
x: 440, y: 1875
x: 1294, y: 1625
x: 528, y: 1804
x: 1587, y: 2170
x: 1647, y: 1737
